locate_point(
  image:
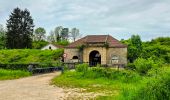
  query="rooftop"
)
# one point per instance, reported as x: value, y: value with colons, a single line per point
x: 112, y: 42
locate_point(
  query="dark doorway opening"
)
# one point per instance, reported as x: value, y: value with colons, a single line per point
x: 75, y: 57
x: 94, y: 58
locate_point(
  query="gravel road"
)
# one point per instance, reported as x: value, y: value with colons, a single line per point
x: 31, y: 88
x: 38, y: 88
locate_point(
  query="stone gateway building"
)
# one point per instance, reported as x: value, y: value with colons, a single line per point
x: 97, y: 49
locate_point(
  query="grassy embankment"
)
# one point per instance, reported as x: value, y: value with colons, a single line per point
x: 15, y: 62
x: 121, y: 85
x: 26, y: 56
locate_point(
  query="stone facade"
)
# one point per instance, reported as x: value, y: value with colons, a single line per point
x: 106, y: 55
x: 112, y: 53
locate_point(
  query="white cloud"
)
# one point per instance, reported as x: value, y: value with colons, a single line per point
x: 149, y: 18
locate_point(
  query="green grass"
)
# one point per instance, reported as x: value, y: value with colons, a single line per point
x: 12, y: 74
x: 26, y: 56
x: 93, y: 80
x: 119, y: 85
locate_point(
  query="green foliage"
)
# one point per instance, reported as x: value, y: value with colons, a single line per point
x: 161, y: 41
x: 63, y: 42
x: 82, y: 68
x: 106, y: 45
x: 27, y: 56
x: 130, y: 66
x: 157, y: 48
x: 134, y: 47
x: 64, y: 33
x: 12, y: 74
x: 19, y: 29
x: 143, y: 65
x: 154, y: 87
x: 2, y: 37
x: 81, y: 47
x: 39, y: 34
x: 39, y: 44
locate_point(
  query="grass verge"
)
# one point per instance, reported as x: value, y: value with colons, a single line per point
x: 12, y: 74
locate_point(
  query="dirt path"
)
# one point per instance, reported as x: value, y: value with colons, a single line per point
x: 38, y: 88
x: 31, y: 88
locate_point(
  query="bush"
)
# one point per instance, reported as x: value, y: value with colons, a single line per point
x: 63, y: 42
x: 14, y: 66
x: 123, y: 75
x: 156, y: 89
x: 130, y: 66
x: 144, y: 65
x: 38, y: 44
x: 82, y: 67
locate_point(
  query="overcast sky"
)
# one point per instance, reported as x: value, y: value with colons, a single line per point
x: 119, y: 18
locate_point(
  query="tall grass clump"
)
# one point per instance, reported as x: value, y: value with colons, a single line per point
x: 154, y: 86
x: 108, y: 73
x: 82, y: 68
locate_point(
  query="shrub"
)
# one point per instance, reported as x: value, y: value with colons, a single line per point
x: 143, y: 65
x: 156, y: 89
x: 82, y: 67
x: 63, y: 42
x: 130, y: 66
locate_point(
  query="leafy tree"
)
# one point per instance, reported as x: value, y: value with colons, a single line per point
x: 2, y: 37
x: 57, y: 33
x: 39, y: 34
x: 64, y: 33
x: 19, y: 29
x: 38, y: 44
x: 51, y: 37
x: 75, y: 33
x: 134, y: 48
x: 63, y: 42
x: 136, y: 41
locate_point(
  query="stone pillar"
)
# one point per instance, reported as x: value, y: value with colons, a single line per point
x: 103, y: 55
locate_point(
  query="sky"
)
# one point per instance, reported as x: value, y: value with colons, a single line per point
x: 119, y: 18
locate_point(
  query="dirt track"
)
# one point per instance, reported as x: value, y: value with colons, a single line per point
x: 38, y: 88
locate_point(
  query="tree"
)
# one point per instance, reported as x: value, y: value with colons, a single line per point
x: 19, y: 29
x: 2, y: 37
x: 39, y: 34
x: 134, y: 48
x: 136, y: 41
x: 75, y: 33
x: 57, y: 33
x: 51, y: 37
x: 64, y: 33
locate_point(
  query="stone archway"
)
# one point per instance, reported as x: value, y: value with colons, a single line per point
x: 94, y: 58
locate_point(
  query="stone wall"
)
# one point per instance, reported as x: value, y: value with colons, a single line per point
x: 107, y: 54
x: 70, y: 52
x: 120, y: 53
x: 88, y: 50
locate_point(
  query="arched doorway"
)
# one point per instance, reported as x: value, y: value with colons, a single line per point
x: 94, y: 58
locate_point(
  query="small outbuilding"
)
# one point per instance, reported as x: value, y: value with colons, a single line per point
x: 97, y: 49
x: 51, y: 46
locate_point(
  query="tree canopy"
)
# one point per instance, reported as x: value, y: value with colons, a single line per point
x: 19, y: 29
x: 39, y: 34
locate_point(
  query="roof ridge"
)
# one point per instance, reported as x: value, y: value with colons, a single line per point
x: 106, y: 38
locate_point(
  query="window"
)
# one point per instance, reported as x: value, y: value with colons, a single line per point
x: 114, y: 59
x: 49, y: 47
x: 75, y: 57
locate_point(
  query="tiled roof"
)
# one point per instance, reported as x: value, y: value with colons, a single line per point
x: 97, y: 39
x: 59, y: 46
